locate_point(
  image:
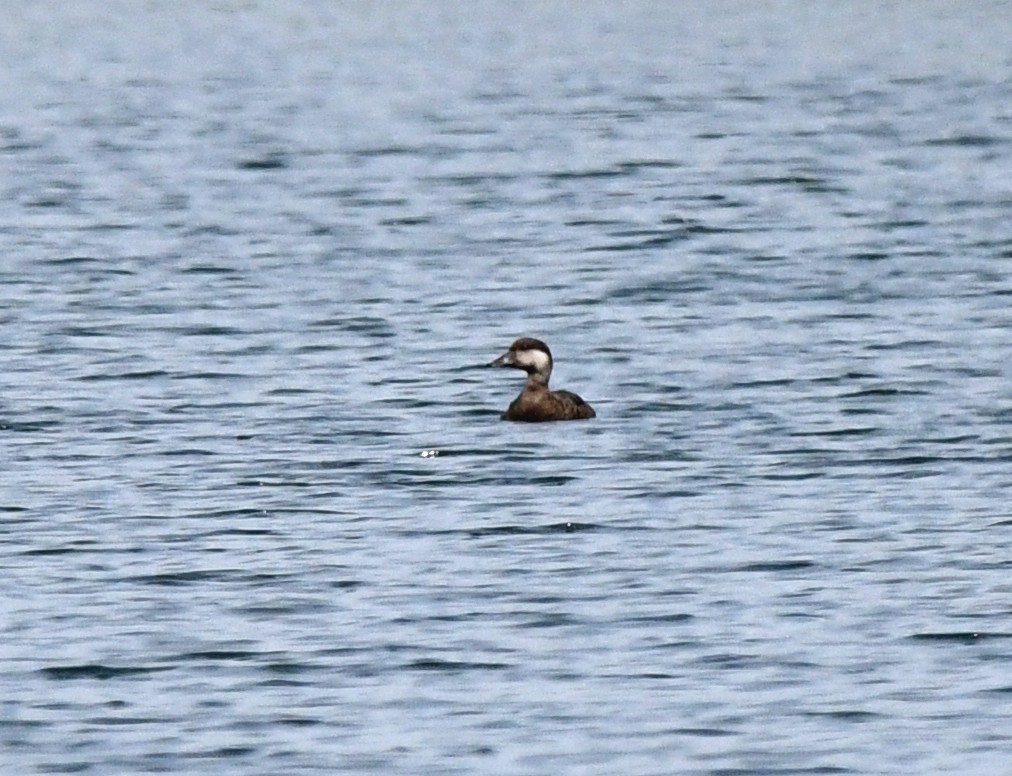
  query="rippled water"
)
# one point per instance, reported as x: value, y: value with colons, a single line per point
x: 259, y: 514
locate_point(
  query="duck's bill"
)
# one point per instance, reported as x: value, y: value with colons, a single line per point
x: 506, y: 359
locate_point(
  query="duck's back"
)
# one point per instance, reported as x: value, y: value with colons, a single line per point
x: 535, y: 405
x: 575, y: 407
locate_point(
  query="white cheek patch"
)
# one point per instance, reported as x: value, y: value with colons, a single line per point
x: 537, y: 359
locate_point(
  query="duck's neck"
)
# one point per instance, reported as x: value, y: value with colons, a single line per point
x: 537, y: 380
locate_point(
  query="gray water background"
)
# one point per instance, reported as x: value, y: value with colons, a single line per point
x: 258, y: 514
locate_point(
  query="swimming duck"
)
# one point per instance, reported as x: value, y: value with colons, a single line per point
x: 536, y: 403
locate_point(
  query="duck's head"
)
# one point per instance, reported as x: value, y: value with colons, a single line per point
x: 531, y: 355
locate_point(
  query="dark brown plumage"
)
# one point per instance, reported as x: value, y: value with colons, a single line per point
x: 537, y: 404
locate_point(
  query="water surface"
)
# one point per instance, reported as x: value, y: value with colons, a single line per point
x: 258, y: 514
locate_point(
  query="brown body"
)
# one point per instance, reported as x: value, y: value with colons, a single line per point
x: 536, y: 403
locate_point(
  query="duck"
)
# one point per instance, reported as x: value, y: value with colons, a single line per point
x: 537, y: 404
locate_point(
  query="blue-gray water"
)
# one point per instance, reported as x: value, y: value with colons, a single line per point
x: 252, y: 258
